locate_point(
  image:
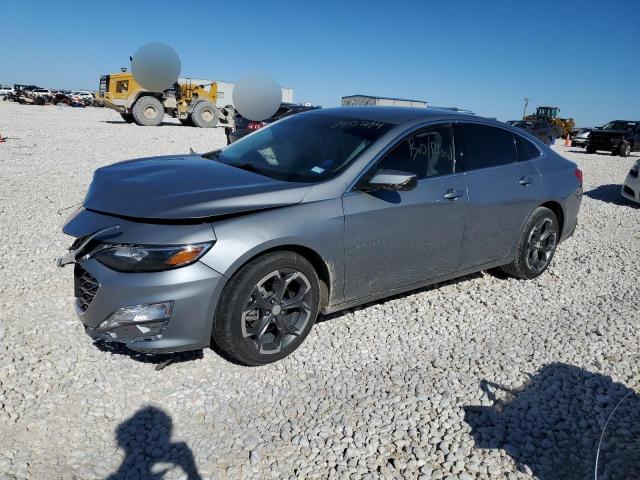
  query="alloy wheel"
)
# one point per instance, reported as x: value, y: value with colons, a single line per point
x: 541, y: 244
x: 277, y: 310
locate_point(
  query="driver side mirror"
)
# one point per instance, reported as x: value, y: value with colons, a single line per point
x: 391, y: 180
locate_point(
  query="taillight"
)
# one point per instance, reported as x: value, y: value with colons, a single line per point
x: 255, y: 125
x: 578, y: 174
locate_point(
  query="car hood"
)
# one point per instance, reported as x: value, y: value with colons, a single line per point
x: 185, y: 187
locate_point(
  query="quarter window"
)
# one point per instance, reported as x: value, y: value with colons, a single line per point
x: 427, y: 153
x: 488, y: 146
x: 526, y: 149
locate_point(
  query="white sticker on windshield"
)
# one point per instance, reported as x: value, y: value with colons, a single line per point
x: 317, y: 169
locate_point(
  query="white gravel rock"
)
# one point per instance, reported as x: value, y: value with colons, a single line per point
x: 480, y: 377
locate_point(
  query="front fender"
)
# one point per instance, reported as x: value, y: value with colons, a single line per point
x: 315, y: 226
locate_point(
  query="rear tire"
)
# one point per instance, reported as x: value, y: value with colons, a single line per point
x: 127, y: 117
x: 536, y: 245
x: 253, y: 324
x: 148, y: 111
x: 205, y: 115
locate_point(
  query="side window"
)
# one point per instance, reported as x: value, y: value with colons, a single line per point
x: 488, y: 146
x: 426, y: 153
x: 526, y: 149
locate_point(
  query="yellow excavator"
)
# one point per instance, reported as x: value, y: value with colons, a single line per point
x: 192, y: 104
x: 561, y: 126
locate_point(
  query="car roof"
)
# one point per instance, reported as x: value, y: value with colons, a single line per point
x: 395, y: 115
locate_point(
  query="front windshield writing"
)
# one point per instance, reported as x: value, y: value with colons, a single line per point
x: 305, y: 147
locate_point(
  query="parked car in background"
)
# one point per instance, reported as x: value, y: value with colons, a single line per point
x: 539, y: 128
x: 82, y: 94
x: 243, y: 126
x: 620, y: 137
x: 318, y: 212
x: 40, y: 92
x: 631, y: 187
x: 6, y: 90
x: 580, y: 137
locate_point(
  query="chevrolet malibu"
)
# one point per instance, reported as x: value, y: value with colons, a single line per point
x: 318, y: 212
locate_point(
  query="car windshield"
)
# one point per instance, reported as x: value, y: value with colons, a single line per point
x: 618, y: 125
x: 304, y: 147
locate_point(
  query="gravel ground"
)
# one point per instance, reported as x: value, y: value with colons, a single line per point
x: 482, y: 377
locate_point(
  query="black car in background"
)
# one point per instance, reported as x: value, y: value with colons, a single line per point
x: 244, y: 126
x: 620, y: 137
x: 541, y: 129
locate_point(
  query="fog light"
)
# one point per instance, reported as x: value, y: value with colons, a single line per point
x: 138, y: 315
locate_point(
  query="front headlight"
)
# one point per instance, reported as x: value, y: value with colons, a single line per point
x: 149, y: 258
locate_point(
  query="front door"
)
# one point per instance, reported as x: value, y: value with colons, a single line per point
x: 398, y: 238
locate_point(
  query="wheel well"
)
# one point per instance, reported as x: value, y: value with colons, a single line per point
x: 313, y: 257
x: 557, y: 210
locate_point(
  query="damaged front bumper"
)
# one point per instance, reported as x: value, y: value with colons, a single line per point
x: 185, y: 301
x: 152, y: 312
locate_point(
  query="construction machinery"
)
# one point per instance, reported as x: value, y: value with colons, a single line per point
x: 561, y: 127
x: 190, y: 102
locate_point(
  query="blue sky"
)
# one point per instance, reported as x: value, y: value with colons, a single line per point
x: 583, y: 56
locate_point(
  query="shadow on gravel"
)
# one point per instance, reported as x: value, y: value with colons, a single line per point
x: 160, y: 360
x: 552, y: 425
x: 150, y: 453
x: 611, y: 194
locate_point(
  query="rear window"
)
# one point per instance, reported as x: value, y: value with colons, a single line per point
x: 488, y: 146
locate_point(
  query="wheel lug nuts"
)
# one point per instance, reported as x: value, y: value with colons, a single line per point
x: 273, y: 301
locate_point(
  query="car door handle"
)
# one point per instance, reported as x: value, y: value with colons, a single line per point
x: 524, y: 181
x: 452, y: 194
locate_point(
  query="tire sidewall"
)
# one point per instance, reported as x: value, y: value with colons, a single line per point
x: 229, y: 315
x: 625, y: 149
x: 198, y: 121
x: 138, y: 111
x: 538, y: 214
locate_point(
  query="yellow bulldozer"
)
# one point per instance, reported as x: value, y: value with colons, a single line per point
x: 561, y: 126
x: 191, y: 103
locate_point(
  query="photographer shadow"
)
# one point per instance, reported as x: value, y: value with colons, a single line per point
x: 150, y: 453
x: 563, y: 423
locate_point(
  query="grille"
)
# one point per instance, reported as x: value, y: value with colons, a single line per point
x: 85, y: 287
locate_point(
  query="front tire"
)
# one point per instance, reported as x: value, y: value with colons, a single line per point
x: 536, y: 245
x: 624, y: 149
x: 148, y: 111
x: 205, y: 115
x: 267, y: 308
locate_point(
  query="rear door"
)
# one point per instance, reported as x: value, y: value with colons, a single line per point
x: 502, y: 190
x: 396, y: 238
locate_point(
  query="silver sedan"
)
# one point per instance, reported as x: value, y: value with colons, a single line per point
x: 315, y: 213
